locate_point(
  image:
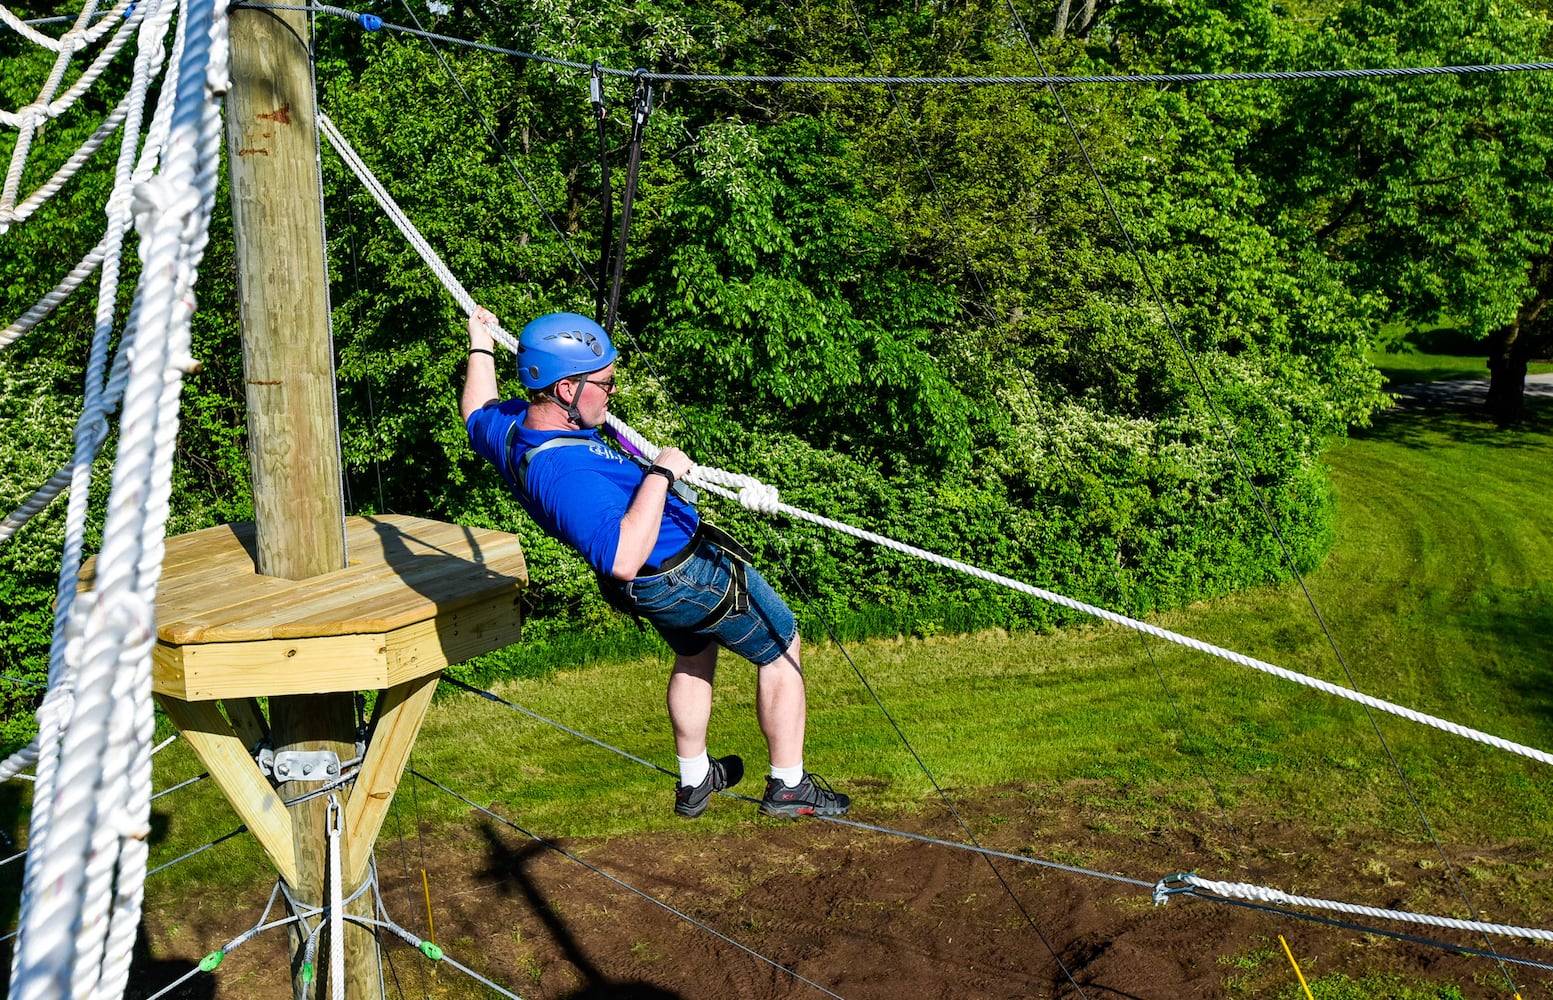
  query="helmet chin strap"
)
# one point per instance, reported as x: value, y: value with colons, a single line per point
x: 573, y: 414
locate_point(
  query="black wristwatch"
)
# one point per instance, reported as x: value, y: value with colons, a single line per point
x: 658, y: 470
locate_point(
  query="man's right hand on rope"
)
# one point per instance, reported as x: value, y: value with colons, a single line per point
x: 675, y: 461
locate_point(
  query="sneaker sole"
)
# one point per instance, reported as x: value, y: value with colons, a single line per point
x: 691, y: 812
x: 794, y: 812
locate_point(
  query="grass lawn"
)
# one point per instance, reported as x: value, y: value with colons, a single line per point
x: 1419, y: 366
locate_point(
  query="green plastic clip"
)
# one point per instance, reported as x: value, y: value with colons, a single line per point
x: 431, y: 951
x: 307, y: 972
x: 209, y: 962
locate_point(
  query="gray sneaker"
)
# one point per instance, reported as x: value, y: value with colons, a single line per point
x: 725, y: 772
x: 810, y: 797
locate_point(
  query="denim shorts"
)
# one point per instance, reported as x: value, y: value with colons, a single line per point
x: 676, y: 601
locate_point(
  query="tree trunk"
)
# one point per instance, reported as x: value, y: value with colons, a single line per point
x: 1086, y: 18
x: 1513, y: 345
x: 1060, y: 23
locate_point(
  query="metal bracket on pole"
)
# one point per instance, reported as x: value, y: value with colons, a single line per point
x: 310, y: 765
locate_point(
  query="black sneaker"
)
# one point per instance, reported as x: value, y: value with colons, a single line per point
x: 810, y: 797
x: 725, y: 772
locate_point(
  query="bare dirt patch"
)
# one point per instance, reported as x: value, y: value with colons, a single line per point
x: 870, y: 916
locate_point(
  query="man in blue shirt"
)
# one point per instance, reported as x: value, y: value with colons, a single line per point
x: 653, y: 555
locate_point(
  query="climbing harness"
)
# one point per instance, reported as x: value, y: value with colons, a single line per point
x: 600, y: 117
x: 641, y: 109
x: 735, y: 599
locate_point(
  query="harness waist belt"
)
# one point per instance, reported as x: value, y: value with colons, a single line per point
x: 704, y: 533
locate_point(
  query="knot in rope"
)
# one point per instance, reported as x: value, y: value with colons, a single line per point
x: 760, y: 497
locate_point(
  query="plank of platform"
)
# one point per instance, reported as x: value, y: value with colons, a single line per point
x: 403, y: 570
x: 417, y: 597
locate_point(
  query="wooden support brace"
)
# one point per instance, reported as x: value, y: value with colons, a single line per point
x: 396, y: 721
x: 247, y: 720
x: 229, y: 763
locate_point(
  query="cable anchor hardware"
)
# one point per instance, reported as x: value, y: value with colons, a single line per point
x: 641, y: 105
x: 596, y: 88
x: 1171, y: 885
x: 264, y: 756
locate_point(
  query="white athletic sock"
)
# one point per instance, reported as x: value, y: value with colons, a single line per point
x: 789, y: 776
x: 692, y: 770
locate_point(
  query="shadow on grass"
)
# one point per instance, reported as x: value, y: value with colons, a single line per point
x: 1518, y: 622
x: 148, y: 975
x: 511, y: 867
x: 1432, y: 426
x: 1411, y: 376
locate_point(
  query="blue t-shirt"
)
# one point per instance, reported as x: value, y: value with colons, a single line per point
x: 578, y: 494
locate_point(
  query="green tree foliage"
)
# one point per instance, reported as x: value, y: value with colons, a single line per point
x: 1434, y: 190
x: 1433, y: 193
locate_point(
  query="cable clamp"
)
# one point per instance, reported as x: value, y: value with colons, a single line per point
x: 209, y: 962
x: 431, y: 951
x: 641, y: 103
x: 371, y: 22
x: 596, y: 87
x: 1171, y: 885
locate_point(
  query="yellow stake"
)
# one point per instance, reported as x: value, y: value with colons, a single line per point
x: 431, y: 928
x: 1296, y: 965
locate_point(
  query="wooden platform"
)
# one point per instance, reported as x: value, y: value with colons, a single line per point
x: 417, y: 596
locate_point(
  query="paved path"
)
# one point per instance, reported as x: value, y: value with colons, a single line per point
x: 1463, y: 392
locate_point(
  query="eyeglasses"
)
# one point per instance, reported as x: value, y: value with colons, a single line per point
x: 607, y: 384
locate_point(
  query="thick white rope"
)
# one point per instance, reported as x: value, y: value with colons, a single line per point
x: 336, y: 905
x: 62, y: 291
x: 100, y: 792
x: 1276, y: 897
x: 46, y: 106
x: 177, y: 206
x: 760, y: 497
x: 69, y: 168
x: 77, y: 36
x: 99, y: 402
x: 27, y: 31
x: 29, y: 123
x: 41, y: 498
x: 460, y: 294
x: 102, y: 962
x: 96, y: 409
x: 89, y: 76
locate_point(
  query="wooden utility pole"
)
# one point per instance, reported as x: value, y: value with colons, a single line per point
x: 293, y: 437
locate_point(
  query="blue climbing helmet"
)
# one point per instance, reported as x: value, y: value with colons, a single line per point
x: 560, y: 345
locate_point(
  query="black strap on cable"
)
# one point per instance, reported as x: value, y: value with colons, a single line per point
x: 600, y: 115
x: 641, y: 109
